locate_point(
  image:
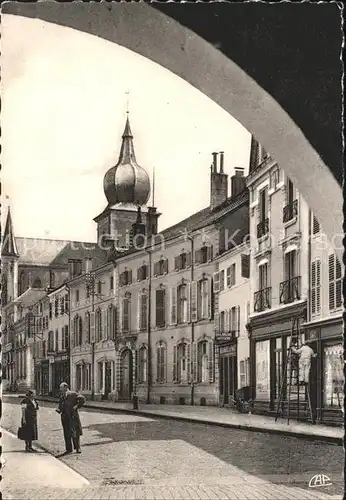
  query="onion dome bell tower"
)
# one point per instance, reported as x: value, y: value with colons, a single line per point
x: 127, y: 188
x: 127, y: 182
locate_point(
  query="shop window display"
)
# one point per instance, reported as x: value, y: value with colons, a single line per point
x: 333, y: 375
x: 262, y: 370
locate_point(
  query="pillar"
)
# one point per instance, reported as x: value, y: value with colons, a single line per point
x: 103, y: 377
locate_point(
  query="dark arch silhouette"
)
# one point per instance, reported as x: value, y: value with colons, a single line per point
x: 285, y: 90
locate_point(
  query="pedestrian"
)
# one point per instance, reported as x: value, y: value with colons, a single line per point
x: 69, y: 404
x: 305, y: 353
x: 29, y: 420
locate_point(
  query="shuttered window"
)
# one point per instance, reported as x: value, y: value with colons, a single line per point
x: 316, y: 287
x: 161, y: 307
x: 245, y: 266
x: 143, y: 319
x: 161, y: 363
x: 126, y: 315
x: 335, y: 283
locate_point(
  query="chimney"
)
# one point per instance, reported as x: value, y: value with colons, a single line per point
x: 238, y: 182
x: 218, y: 183
x: 152, y: 219
x: 221, y: 161
x: 88, y: 264
x: 214, y: 162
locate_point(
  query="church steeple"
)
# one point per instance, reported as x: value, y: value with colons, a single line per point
x: 127, y: 151
x: 9, y: 246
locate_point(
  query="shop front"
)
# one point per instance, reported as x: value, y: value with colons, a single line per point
x: 329, y: 370
x: 60, y: 373
x: 227, y: 372
x: 270, y: 337
x: 44, y: 378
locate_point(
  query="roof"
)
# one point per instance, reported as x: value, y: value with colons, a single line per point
x: 30, y: 297
x: 38, y: 251
x: 56, y: 253
x: 9, y: 247
x: 197, y: 221
x: 79, y: 250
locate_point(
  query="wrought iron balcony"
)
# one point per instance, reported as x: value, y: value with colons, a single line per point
x: 290, y: 211
x: 290, y: 290
x: 263, y: 228
x: 262, y: 299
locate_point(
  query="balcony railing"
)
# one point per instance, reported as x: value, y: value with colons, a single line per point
x: 290, y: 290
x: 263, y: 228
x: 290, y: 211
x: 262, y: 299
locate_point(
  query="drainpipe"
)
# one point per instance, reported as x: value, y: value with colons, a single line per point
x: 69, y: 330
x: 192, y: 323
x: 149, y: 365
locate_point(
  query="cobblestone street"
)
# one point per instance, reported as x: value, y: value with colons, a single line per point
x: 128, y: 456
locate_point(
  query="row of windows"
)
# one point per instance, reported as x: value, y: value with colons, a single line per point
x: 94, y: 289
x: 58, y: 342
x: 94, y: 328
x: 61, y: 306
x: 182, y: 261
x: 189, y: 302
x: 226, y: 278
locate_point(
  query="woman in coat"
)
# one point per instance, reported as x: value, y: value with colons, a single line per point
x: 69, y: 404
x: 29, y: 420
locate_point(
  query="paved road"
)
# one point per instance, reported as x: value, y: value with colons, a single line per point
x: 128, y: 456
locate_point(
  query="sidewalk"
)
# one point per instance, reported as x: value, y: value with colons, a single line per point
x: 222, y: 417
x: 35, y: 470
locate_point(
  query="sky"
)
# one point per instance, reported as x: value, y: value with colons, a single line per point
x: 63, y: 113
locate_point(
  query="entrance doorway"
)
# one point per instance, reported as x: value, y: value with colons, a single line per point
x: 126, y: 383
x: 228, y: 378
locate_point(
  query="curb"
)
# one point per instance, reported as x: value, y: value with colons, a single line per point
x: 195, y: 420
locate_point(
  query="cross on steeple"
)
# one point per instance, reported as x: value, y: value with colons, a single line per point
x: 128, y: 102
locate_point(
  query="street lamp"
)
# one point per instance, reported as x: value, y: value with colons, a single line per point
x: 149, y: 364
x: 192, y: 322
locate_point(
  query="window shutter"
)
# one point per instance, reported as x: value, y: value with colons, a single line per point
x: 238, y: 321
x: 92, y: 327
x: 227, y: 321
x: 210, y: 253
x: 137, y: 367
x: 158, y: 363
x: 216, y: 282
x: 176, y: 263
x: 228, y: 276
x: 211, y: 361
x: 173, y: 305
x: 245, y: 266
x: 72, y: 333
x: 165, y: 266
x: 139, y: 312
x: 155, y: 269
x: 188, y: 259
x: 331, y: 272
x: 216, y: 323
x: 197, y: 257
x: 210, y: 298
x: 188, y: 302
x: 130, y: 276
x: 175, y: 364
x: 188, y: 363
x: 193, y: 302
x: 194, y: 362
x: 315, y: 225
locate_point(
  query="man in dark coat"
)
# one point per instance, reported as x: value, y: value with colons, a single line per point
x: 69, y: 404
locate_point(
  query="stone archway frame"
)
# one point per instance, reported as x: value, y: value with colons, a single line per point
x: 148, y: 32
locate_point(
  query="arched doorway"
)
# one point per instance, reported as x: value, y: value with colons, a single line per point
x: 126, y: 371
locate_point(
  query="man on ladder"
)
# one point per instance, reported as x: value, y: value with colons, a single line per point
x: 298, y: 361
